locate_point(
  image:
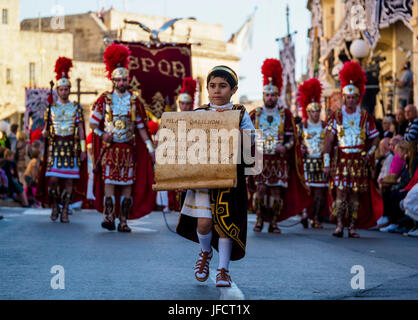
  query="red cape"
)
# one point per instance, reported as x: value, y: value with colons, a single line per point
x: 297, y: 196
x: 80, y: 185
x: 143, y: 195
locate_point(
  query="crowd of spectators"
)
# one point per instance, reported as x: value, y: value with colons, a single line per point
x: 396, y: 172
x: 20, y: 159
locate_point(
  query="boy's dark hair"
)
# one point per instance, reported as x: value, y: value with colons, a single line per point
x: 224, y: 75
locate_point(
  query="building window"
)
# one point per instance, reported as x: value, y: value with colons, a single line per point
x: 4, y: 16
x: 32, y: 74
x: 8, y: 76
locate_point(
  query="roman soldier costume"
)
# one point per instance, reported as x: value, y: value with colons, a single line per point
x: 284, y: 170
x: 126, y: 160
x: 352, y: 158
x: 312, y: 134
x: 188, y: 90
x: 63, y: 123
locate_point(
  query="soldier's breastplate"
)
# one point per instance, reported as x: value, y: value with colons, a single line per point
x: 313, y: 140
x: 63, y: 119
x: 270, y: 124
x: 119, y: 124
x: 349, y: 134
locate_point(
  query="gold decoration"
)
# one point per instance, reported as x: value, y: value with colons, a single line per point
x: 120, y: 124
x: 355, y: 189
x: 345, y: 172
x: 341, y: 133
x: 363, y: 134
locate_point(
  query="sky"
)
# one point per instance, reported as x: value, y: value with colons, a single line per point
x: 269, y: 24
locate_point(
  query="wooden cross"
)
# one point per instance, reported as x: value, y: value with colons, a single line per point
x: 79, y: 92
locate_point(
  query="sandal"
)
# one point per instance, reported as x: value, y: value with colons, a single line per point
x: 352, y: 233
x: 222, y: 278
x: 55, y: 213
x: 123, y: 228
x: 202, y: 266
x: 339, y: 232
x: 274, y: 229
x: 259, y: 225
x: 108, y: 224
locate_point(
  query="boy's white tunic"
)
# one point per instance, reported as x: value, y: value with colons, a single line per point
x: 197, y: 202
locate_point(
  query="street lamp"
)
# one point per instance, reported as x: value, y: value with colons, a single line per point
x: 359, y: 49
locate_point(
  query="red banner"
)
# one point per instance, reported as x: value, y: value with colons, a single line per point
x: 157, y: 72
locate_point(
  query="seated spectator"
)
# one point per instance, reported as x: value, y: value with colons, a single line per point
x: 399, y: 222
x: 388, y: 127
x: 410, y: 204
x: 394, y: 141
x: 15, y: 187
x: 385, y: 156
x: 401, y: 121
x: 411, y: 133
x: 20, y: 154
x: 384, y: 162
x: 4, y: 140
x: 397, y: 163
x: 31, y: 177
x: 4, y: 184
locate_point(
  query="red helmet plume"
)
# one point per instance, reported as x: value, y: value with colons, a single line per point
x: 272, y: 74
x: 116, y: 56
x: 62, y: 67
x: 188, y: 90
x: 309, y: 91
x: 353, y: 79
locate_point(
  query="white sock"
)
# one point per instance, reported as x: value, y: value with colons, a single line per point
x: 205, y: 240
x: 225, y: 249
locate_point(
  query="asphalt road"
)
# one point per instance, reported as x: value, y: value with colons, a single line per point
x: 152, y: 263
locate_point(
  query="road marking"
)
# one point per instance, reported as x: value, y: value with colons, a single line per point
x: 137, y: 222
x: 231, y: 293
x: 37, y: 212
x: 137, y: 225
x: 143, y: 230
